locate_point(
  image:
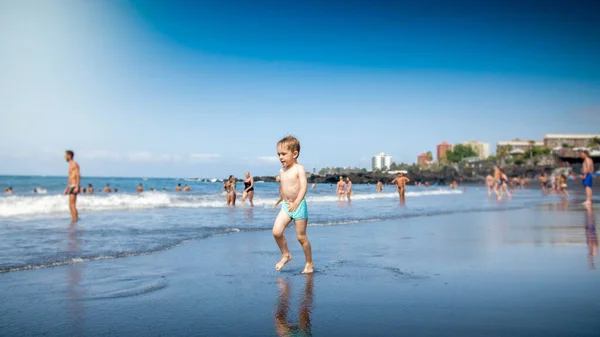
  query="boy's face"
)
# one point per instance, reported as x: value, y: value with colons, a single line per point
x: 286, y: 156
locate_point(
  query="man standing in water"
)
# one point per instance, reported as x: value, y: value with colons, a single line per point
x: 73, y: 184
x: 587, y: 175
x: 400, y: 181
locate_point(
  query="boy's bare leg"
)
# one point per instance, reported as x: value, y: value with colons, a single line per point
x: 281, y: 223
x: 303, y: 239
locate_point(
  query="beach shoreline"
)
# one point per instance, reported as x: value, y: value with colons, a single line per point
x: 467, y: 272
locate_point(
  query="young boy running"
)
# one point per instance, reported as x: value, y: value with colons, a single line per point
x: 293, y: 191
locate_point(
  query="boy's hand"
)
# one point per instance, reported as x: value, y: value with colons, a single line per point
x: 292, y: 207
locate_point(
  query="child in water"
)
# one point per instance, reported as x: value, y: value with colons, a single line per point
x: 293, y: 190
x: 562, y: 186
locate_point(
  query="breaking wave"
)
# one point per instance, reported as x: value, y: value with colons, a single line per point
x: 50, y: 204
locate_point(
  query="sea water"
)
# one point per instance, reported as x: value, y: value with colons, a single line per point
x: 35, y: 230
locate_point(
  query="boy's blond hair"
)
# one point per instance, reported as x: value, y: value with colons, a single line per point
x: 291, y: 143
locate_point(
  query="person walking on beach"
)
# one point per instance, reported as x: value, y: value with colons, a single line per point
x: 341, y: 188
x: 231, y: 193
x: 293, y: 190
x: 489, y: 182
x: 501, y: 185
x: 248, y: 190
x: 562, y: 186
x: 400, y: 181
x: 74, y: 181
x: 544, y: 182
x: 348, y: 188
x: 504, y: 180
x: 587, y: 175
x: 498, y: 182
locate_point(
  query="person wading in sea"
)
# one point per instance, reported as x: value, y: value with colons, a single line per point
x: 73, y: 184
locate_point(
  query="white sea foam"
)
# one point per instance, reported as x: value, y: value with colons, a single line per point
x: 50, y: 204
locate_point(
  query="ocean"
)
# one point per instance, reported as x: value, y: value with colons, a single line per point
x: 35, y: 228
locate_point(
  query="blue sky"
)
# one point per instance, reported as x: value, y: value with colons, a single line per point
x: 206, y: 88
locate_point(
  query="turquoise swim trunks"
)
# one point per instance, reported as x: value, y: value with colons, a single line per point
x: 300, y: 213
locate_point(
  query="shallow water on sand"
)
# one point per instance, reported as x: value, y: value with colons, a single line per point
x: 35, y: 228
x: 525, y: 272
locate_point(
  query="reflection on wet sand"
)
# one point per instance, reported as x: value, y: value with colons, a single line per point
x: 75, y: 272
x: 303, y: 328
x: 590, y: 237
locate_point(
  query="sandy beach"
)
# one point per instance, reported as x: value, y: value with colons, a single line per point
x: 508, y: 273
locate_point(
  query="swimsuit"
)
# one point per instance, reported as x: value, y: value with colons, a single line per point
x: 246, y: 185
x: 71, y: 189
x: 300, y: 213
x: 588, y: 180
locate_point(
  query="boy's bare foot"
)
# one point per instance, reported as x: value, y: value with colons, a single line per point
x: 284, y: 259
x: 309, y: 268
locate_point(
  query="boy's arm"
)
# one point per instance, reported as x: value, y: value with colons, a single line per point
x: 280, y: 198
x: 407, y: 180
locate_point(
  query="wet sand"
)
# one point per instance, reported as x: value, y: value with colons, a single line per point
x: 508, y: 273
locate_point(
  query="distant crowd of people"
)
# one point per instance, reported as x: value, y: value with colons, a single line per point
x: 107, y: 189
x: 498, y: 182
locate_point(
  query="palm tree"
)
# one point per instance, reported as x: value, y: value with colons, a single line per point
x: 531, y: 147
x: 502, y: 153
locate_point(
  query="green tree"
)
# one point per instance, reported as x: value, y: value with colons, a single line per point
x: 541, y: 150
x: 503, y: 153
x: 594, y: 142
x: 531, y: 147
x: 429, y: 156
x: 460, y: 152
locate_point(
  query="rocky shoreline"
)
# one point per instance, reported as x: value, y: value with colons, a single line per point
x: 444, y: 176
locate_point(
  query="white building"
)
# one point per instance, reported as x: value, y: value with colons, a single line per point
x: 573, y: 141
x: 482, y: 149
x: 380, y: 161
x: 519, y: 145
